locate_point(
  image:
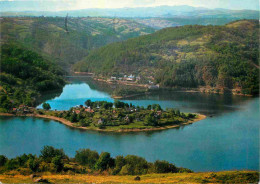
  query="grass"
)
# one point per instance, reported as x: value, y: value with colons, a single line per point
x: 203, y: 177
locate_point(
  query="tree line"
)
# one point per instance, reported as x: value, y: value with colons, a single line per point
x: 85, y: 161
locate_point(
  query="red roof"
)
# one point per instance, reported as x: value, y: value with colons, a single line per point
x: 77, y: 111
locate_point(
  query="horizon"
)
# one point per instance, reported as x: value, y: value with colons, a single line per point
x: 74, y: 5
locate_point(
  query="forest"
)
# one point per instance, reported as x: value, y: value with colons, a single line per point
x: 48, y: 36
x: 192, y: 56
x: 25, y: 75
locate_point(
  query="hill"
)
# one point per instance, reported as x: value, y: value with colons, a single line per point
x: 25, y: 75
x: 68, y: 43
x: 225, y: 57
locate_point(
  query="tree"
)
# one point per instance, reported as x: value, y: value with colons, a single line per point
x: 33, y: 164
x: 3, y: 160
x: 164, y: 167
x: 88, y: 103
x: 86, y: 157
x: 73, y: 117
x: 150, y: 120
x: 104, y: 162
x: 119, y: 163
x: 58, y: 163
x: 46, y: 106
x: 49, y: 152
x: 149, y: 107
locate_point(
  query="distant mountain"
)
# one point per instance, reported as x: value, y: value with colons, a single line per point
x: 48, y: 35
x: 159, y: 11
x: 188, y: 56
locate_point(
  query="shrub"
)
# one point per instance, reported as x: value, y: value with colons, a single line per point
x: 164, y: 167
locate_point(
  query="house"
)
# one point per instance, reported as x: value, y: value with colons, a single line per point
x: 159, y: 113
x: 127, y: 119
x: 130, y: 78
x: 89, y: 110
x: 100, y: 121
x: 113, y: 78
x: 154, y: 86
x: 138, y: 78
x: 77, y: 111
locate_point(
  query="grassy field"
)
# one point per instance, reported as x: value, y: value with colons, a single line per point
x: 205, y: 177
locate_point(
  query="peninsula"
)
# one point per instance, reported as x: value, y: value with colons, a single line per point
x: 113, y: 117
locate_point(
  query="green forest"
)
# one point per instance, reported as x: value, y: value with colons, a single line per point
x: 189, y: 56
x: 25, y: 75
x: 85, y: 161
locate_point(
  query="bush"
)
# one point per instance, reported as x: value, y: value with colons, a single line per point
x: 164, y: 167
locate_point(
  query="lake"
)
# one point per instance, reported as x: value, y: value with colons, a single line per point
x: 226, y: 141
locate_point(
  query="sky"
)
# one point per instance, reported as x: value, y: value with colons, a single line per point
x: 59, y: 5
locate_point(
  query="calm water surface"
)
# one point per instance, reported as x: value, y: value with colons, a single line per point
x: 229, y: 140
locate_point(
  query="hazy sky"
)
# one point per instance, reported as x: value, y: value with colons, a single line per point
x: 56, y: 5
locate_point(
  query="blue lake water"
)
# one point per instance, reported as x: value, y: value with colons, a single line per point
x: 229, y: 140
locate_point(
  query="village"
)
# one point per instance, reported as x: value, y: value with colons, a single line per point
x: 131, y: 80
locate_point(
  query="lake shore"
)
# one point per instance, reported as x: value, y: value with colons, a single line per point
x: 200, y: 89
x: 70, y: 124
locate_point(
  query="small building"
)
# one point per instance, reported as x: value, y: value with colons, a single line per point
x: 130, y: 78
x: 100, y: 121
x: 127, y: 119
x: 89, y: 110
x: 154, y: 86
x: 113, y: 78
x: 77, y: 111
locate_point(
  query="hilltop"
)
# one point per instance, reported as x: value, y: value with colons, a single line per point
x: 48, y: 35
x: 221, y: 57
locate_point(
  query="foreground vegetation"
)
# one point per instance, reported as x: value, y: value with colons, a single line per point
x: 53, y: 165
x: 85, y: 161
x: 120, y: 116
x: 25, y: 75
x: 222, y: 57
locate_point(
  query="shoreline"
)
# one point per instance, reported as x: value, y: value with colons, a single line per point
x: 70, y: 124
x: 201, y: 89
